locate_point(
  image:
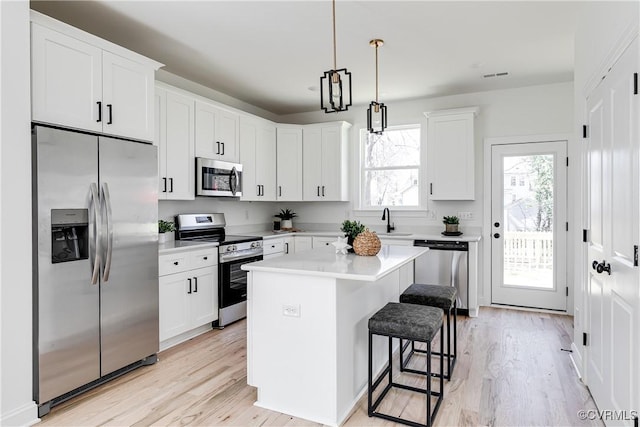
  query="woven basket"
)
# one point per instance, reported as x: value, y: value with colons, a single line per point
x: 367, y: 243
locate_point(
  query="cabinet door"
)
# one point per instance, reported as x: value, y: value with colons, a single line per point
x: 323, y: 242
x: 289, y: 245
x: 289, y: 163
x: 66, y: 80
x: 312, y: 164
x: 331, y: 187
x: 127, y: 91
x: 216, y: 133
x: 303, y: 243
x: 248, y: 158
x: 180, y: 172
x: 266, y: 161
x: 450, y: 157
x: 204, y: 296
x: 174, y: 305
x: 160, y: 140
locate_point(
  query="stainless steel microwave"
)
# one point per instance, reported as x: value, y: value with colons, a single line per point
x: 218, y: 178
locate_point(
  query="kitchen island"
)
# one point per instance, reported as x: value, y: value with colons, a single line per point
x: 307, y: 327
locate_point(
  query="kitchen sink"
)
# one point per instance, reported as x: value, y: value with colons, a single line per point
x: 395, y: 234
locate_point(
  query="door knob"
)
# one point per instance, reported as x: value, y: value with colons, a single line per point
x: 602, y: 267
x: 496, y: 235
x: 594, y: 265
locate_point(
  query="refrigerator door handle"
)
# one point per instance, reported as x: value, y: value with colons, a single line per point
x: 107, y: 203
x: 94, y: 259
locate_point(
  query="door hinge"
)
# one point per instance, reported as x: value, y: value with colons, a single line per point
x: 584, y: 131
x: 635, y: 255
x: 584, y: 338
x: 585, y: 237
x: 567, y: 290
x: 635, y: 83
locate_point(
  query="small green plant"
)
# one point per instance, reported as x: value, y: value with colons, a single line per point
x: 451, y: 220
x: 165, y: 226
x: 352, y: 228
x: 286, y: 214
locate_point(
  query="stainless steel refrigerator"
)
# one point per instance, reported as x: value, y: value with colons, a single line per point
x: 95, y: 260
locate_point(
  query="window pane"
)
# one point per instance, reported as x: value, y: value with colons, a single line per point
x: 395, y: 147
x: 391, y: 188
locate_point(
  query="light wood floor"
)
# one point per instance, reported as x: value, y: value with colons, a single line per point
x: 511, y: 372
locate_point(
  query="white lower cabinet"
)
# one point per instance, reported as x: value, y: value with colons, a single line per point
x: 321, y: 242
x: 303, y: 243
x: 188, y: 294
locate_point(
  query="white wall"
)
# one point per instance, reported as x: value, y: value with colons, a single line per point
x: 16, y: 404
x: 603, y: 29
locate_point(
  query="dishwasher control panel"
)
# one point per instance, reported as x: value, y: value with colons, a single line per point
x: 442, y: 245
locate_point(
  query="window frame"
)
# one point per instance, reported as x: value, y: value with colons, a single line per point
x: 363, y: 133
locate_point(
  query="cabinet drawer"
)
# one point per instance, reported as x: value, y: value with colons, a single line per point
x: 273, y: 246
x: 203, y: 258
x: 173, y: 263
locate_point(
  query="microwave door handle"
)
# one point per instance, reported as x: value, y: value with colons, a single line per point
x: 94, y: 258
x: 233, y: 180
x: 109, y: 215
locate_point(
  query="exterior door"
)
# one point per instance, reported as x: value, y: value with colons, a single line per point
x: 613, y: 298
x: 528, y: 220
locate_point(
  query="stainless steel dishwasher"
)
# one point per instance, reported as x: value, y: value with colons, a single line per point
x: 446, y: 263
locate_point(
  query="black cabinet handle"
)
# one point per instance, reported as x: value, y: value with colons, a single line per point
x: 257, y: 190
x: 164, y: 184
x: 195, y: 280
x: 323, y: 191
x: 286, y: 248
x: 171, y: 185
x: 109, y: 107
x: 99, y: 111
x: 496, y: 235
x: 222, y: 154
x: 218, y: 143
x: 175, y: 263
x: 431, y: 188
x: 279, y: 190
x: 318, y: 191
x: 189, y: 286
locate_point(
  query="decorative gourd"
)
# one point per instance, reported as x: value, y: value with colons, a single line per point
x: 367, y: 243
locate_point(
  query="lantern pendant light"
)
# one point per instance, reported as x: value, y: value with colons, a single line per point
x: 377, y: 111
x: 335, y: 84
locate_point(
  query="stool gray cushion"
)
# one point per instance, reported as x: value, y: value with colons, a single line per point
x: 408, y: 321
x: 432, y: 295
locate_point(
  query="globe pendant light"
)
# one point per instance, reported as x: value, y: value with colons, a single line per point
x: 377, y: 111
x: 335, y: 84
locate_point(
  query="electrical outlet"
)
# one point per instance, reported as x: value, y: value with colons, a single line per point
x: 465, y: 215
x: 291, y: 310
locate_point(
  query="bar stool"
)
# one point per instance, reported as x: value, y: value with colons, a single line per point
x: 439, y: 296
x: 410, y: 322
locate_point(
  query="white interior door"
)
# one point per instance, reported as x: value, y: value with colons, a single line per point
x: 613, y: 213
x: 528, y: 218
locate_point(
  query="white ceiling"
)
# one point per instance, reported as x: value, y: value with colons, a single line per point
x: 270, y: 53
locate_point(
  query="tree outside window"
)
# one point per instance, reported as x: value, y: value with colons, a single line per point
x: 391, y: 168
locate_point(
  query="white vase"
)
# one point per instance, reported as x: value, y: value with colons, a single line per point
x: 165, y: 237
x: 286, y: 223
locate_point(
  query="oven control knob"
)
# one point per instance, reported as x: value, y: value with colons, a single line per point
x: 258, y: 244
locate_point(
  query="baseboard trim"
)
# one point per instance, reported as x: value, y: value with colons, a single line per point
x: 576, y: 359
x: 25, y: 415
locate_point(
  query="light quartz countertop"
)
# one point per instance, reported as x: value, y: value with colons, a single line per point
x: 392, y: 236
x: 175, y: 246
x: 325, y: 263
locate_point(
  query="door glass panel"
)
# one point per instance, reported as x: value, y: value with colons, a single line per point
x: 528, y: 221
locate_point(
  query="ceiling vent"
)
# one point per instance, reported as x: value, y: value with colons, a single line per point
x: 487, y: 76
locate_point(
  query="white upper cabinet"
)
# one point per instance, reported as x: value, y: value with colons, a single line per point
x: 258, y: 158
x: 325, y: 161
x: 81, y: 81
x: 216, y: 132
x: 176, y: 143
x: 289, y: 163
x: 450, y: 154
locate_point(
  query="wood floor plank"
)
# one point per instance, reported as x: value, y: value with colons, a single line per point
x: 510, y: 371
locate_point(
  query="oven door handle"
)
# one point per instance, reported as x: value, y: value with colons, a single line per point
x: 225, y: 258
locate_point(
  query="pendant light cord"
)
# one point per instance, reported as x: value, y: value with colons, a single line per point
x: 376, y: 72
x: 335, y: 61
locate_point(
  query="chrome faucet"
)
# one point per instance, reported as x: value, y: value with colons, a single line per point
x: 387, y: 215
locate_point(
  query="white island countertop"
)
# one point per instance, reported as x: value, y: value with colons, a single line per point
x: 323, y: 263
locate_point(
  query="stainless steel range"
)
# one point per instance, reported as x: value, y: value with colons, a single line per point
x: 233, y: 253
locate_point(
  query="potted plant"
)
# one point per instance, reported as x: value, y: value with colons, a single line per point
x: 351, y: 229
x: 286, y: 215
x: 451, y: 224
x: 165, y: 228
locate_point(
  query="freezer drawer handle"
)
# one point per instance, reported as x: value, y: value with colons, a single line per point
x: 109, y: 214
x: 93, y: 246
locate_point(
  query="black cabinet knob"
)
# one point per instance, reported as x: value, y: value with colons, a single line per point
x: 496, y: 235
x: 175, y: 263
x: 206, y: 258
x: 496, y: 224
